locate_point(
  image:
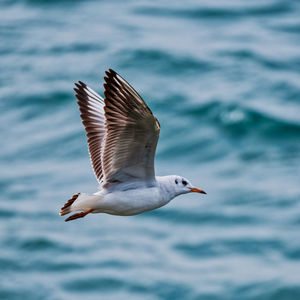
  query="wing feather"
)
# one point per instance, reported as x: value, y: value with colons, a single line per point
x: 91, y: 107
x: 132, y: 133
x: 122, y: 133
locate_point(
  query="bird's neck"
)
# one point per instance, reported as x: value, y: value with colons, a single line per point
x: 166, y: 188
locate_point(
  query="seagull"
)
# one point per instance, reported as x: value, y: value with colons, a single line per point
x: 122, y: 134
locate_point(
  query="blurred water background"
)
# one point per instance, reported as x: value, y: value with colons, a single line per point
x: 223, y: 78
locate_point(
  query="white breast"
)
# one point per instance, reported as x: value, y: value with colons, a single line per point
x: 130, y: 202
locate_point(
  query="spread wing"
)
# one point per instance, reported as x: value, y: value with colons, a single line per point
x: 121, y: 130
x: 132, y: 133
x: 91, y: 107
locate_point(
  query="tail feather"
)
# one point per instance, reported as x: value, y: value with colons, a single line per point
x: 67, y: 206
x: 83, y: 202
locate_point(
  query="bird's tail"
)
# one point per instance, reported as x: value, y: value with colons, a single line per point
x: 79, y: 202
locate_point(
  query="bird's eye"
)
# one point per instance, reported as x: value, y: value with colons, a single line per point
x: 184, y: 182
x: 176, y: 181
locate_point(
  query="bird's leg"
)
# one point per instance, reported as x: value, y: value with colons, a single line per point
x: 78, y: 215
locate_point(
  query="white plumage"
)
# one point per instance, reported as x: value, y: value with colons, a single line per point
x: 122, y: 136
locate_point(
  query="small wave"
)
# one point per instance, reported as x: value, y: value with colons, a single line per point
x: 51, y: 2
x: 4, y: 213
x: 47, y: 99
x: 9, y: 264
x: 289, y: 28
x: 219, y: 13
x: 189, y: 217
x: 92, y: 284
x: 43, y: 244
x: 282, y: 63
x: 76, y: 47
x: 268, y: 290
x: 163, y: 62
x: 241, y: 120
x: 243, y: 246
x: 213, y: 130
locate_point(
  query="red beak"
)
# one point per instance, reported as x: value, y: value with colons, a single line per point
x: 195, y: 190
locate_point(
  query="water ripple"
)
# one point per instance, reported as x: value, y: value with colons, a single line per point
x: 223, y: 81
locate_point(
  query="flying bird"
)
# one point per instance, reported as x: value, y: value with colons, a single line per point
x: 122, y: 134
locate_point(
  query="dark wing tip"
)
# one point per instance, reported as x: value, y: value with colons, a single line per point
x: 76, y: 92
x: 77, y: 86
x: 80, y: 89
x: 110, y: 73
x: 111, y: 80
x: 106, y: 79
x: 80, y: 86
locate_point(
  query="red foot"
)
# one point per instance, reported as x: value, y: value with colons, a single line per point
x: 78, y: 215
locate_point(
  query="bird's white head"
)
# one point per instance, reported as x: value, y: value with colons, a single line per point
x: 178, y: 185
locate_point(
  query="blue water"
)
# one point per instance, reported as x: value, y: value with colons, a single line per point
x: 223, y: 78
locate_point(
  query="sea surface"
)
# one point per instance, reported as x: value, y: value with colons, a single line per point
x: 223, y: 78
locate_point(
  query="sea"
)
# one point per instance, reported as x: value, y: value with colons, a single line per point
x: 223, y: 79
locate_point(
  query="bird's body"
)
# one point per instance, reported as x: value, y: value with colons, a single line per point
x: 122, y: 137
x: 124, y: 203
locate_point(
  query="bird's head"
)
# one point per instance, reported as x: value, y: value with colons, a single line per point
x: 183, y: 186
